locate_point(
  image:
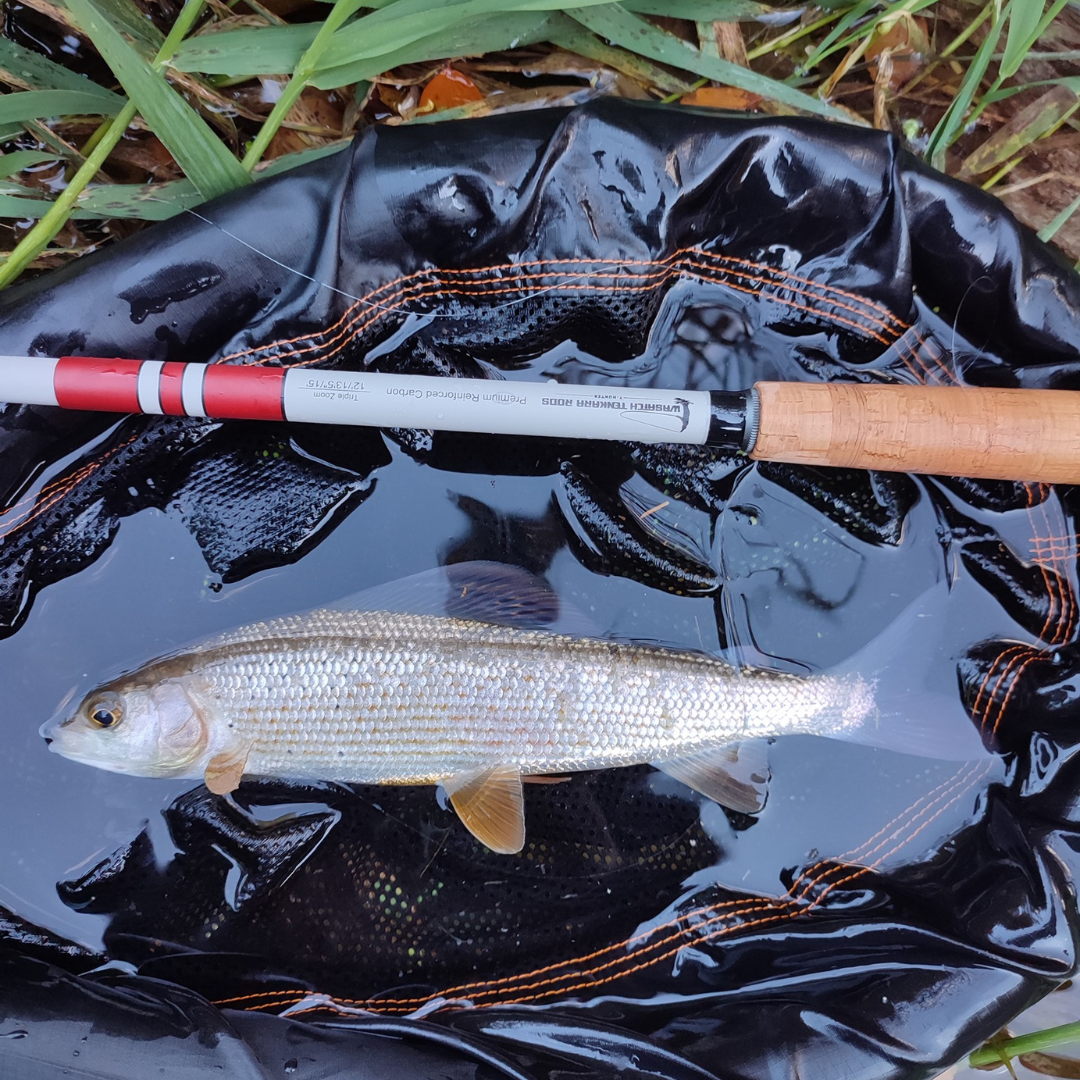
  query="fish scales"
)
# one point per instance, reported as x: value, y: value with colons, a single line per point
x: 381, y: 697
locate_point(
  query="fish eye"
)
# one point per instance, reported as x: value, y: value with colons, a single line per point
x: 105, y: 711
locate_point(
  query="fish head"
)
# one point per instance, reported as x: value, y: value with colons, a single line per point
x: 142, y: 728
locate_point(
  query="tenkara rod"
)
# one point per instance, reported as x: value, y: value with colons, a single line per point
x: 988, y: 433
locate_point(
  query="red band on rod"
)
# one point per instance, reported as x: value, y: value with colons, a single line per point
x: 172, y: 374
x: 88, y: 382
x: 244, y: 393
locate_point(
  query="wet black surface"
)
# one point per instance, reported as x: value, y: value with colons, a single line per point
x: 883, y: 914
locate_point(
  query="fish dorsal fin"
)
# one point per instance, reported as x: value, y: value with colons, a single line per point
x: 479, y: 591
x: 223, y: 770
x: 736, y: 775
x: 491, y: 806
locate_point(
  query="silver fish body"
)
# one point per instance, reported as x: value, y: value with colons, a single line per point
x: 381, y: 697
x: 376, y: 697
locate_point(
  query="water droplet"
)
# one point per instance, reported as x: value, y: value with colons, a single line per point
x: 291, y: 1066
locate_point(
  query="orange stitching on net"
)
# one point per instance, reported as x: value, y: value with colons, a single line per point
x: 483, y: 289
x: 786, y: 909
x: 1035, y: 655
x: 905, y: 816
x: 345, y: 329
x: 1010, y: 657
x: 1068, y: 601
x: 437, y: 286
x: 1035, y: 497
x: 351, y: 332
x: 788, y: 912
x: 889, y: 316
x: 63, y: 484
x: 908, y: 352
x: 1059, y: 624
x: 646, y: 935
x: 802, y: 292
x: 1062, y: 546
x: 668, y: 261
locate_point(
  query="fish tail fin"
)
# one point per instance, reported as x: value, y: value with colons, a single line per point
x: 918, y: 707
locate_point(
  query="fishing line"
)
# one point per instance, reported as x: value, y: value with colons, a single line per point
x: 398, y: 308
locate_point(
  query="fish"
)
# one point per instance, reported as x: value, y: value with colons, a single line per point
x: 385, y: 697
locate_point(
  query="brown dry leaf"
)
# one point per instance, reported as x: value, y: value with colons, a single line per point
x: 524, y: 100
x: 732, y: 44
x: 882, y: 82
x: 314, y: 119
x: 1051, y: 1065
x: 904, y: 43
x: 137, y: 158
x: 722, y: 97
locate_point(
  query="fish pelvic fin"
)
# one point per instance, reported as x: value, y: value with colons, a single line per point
x: 491, y: 806
x: 736, y: 775
x: 224, y: 770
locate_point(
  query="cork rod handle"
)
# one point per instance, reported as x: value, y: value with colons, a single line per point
x: 987, y: 433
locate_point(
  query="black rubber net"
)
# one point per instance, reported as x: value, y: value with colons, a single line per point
x: 885, y: 912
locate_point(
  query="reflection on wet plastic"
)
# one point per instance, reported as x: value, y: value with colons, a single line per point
x: 883, y: 914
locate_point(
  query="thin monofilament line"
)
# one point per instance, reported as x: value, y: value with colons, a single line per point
x: 400, y: 309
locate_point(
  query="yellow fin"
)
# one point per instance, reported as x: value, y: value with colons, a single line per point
x: 491, y: 806
x: 223, y: 771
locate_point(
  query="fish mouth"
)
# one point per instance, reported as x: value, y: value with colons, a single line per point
x: 61, y: 717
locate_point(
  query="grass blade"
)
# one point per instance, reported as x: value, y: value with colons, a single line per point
x: 830, y: 43
x: 32, y: 104
x: 406, y: 21
x: 270, y: 50
x: 469, y: 38
x: 698, y: 10
x: 30, y: 71
x: 997, y: 1053
x: 951, y: 124
x: 146, y: 202
x: 1023, y: 29
x: 1033, y: 122
x: 128, y: 19
x: 267, y: 50
x: 206, y: 161
x: 576, y: 39
x: 1050, y: 230
x: 622, y: 28
x: 23, y: 159
x: 53, y: 220
x: 341, y: 11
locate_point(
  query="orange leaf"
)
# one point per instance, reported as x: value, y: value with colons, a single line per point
x: 447, y: 90
x: 722, y: 97
x: 906, y: 42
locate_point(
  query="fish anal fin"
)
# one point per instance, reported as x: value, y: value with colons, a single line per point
x: 491, y: 806
x: 223, y: 770
x: 736, y: 775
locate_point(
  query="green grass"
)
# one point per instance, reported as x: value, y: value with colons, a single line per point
x: 179, y: 83
x: 1002, y: 1051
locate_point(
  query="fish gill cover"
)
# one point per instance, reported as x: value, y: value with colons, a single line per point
x: 884, y: 913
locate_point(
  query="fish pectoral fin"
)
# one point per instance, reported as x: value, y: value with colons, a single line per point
x: 736, y: 775
x: 491, y: 806
x: 223, y: 771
